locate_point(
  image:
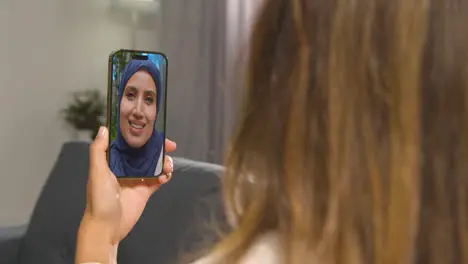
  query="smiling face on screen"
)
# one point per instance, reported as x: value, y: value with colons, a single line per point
x: 138, y: 109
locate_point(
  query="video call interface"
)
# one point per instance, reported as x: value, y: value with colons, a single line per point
x: 137, y: 106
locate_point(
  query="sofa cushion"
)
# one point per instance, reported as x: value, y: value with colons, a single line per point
x: 10, y: 242
x: 169, y: 224
x: 52, y: 230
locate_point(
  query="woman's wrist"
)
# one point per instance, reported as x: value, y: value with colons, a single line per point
x: 95, y: 242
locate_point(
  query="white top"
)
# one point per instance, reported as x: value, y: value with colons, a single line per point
x: 266, y: 250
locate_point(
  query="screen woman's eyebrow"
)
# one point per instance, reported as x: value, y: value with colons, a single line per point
x: 131, y: 88
x: 150, y: 92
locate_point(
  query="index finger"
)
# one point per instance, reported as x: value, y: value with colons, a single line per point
x: 170, y: 145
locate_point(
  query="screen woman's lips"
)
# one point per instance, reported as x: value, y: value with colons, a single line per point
x: 136, y: 129
x: 136, y: 125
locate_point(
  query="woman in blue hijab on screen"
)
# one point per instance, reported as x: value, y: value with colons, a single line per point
x: 137, y: 148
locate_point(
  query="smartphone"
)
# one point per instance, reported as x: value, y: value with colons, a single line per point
x: 136, y: 113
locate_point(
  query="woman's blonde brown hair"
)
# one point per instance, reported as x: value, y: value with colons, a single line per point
x: 353, y: 141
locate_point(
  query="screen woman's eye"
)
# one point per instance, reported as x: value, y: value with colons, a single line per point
x: 130, y: 95
x: 149, y: 100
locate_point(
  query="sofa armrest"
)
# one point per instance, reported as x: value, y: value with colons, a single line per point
x: 10, y: 240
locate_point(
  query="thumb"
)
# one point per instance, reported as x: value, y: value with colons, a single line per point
x: 98, y: 149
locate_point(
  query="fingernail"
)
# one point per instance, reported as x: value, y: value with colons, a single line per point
x: 171, y: 163
x: 99, y: 133
x: 102, y: 131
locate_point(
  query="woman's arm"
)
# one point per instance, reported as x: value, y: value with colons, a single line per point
x: 94, y: 244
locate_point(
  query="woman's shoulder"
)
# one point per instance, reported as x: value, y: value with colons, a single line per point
x: 266, y: 249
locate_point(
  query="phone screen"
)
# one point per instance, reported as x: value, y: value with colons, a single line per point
x: 137, y: 113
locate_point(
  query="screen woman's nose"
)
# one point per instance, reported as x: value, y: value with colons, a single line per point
x: 138, y: 111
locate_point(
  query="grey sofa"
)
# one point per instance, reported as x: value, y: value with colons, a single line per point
x: 176, y: 220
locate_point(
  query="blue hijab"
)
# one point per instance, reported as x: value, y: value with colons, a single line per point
x: 136, y: 162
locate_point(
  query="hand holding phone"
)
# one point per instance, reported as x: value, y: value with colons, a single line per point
x: 108, y: 220
x: 135, y: 145
x: 136, y: 113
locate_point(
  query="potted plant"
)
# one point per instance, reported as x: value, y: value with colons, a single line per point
x: 85, y: 113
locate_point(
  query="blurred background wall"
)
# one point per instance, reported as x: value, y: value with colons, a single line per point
x: 50, y: 49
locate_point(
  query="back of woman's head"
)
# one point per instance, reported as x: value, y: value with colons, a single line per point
x: 353, y: 143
